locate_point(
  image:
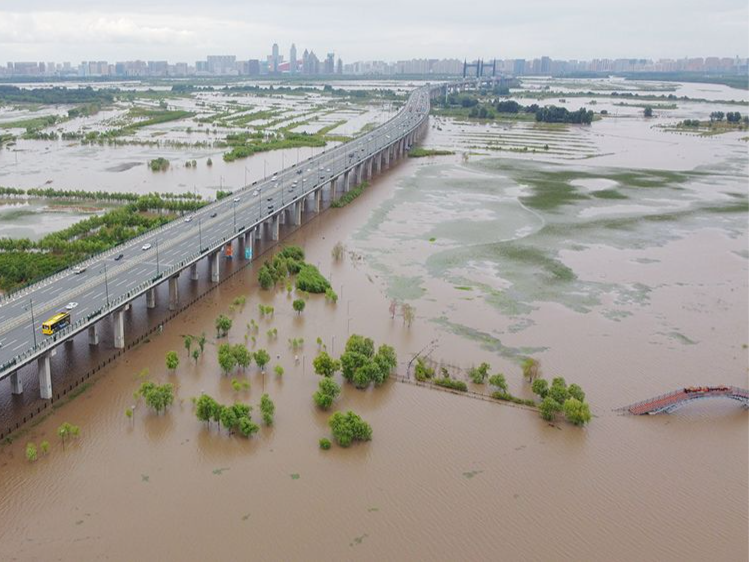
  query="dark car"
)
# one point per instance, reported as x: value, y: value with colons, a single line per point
x: 119, y: 257
x: 299, y: 171
x: 213, y: 215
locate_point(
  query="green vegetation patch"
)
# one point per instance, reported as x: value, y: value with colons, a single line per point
x: 419, y: 152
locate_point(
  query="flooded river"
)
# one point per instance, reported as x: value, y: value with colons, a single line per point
x: 628, y: 280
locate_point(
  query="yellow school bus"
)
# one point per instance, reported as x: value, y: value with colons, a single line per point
x: 56, y: 323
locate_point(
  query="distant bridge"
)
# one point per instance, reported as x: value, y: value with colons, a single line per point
x: 667, y: 403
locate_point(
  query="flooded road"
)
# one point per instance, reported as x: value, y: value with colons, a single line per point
x: 629, y: 294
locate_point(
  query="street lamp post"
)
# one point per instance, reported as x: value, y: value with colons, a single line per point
x: 200, y: 236
x: 157, y: 257
x: 33, y: 322
x: 106, y: 283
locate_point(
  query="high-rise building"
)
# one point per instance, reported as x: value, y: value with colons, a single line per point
x: 222, y: 64
x: 292, y: 59
x: 274, y: 59
x: 329, y: 64
x: 339, y: 66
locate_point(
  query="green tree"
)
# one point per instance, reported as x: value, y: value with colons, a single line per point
x: 158, y: 397
x: 67, y: 431
x: 223, y: 325
x: 267, y: 409
x: 242, y: 355
x: 325, y: 365
x: 129, y: 413
x: 226, y: 358
x: 648, y: 111
x: 278, y: 370
x: 349, y: 427
x: 540, y: 387
x: 576, y: 412
x: 247, y: 427
x: 201, y: 342
x: 265, y: 278
x: 44, y: 447
x: 325, y: 443
x: 531, y: 369
x: 31, y: 454
x: 574, y: 391
x: 409, y: 313
x: 205, y: 407
x: 327, y: 391
x: 299, y: 305
x: 479, y: 374
x: 558, y: 390
x: 548, y: 408
x: 499, y: 381
x: 172, y: 361
x: 187, y: 341
x: 261, y: 358
x: 229, y: 418
x: 196, y: 355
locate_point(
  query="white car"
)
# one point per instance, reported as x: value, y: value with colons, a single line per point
x: 256, y: 193
x: 236, y: 199
x: 79, y: 269
x: 71, y: 305
x: 188, y: 219
x: 146, y: 247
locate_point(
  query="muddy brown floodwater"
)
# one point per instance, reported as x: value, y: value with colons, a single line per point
x: 445, y: 477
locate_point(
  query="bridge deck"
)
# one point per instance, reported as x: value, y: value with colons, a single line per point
x: 672, y: 400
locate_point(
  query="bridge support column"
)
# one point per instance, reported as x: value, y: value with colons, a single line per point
x: 174, y: 292
x: 45, y: 375
x: 16, y: 386
x: 215, y: 260
x: 240, y: 246
x: 118, y: 320
x: 259, y: 232
x: 347, y: 181
x: 151, y: 298
x: 276, y: 227
x: 370, y: 165
x: 194, y: 272
x: 387, y: 158
x: 93, y: 335
x: 298, y: 213
x: 318, y: 200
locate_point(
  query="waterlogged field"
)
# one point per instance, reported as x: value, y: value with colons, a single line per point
x: 617, y: 258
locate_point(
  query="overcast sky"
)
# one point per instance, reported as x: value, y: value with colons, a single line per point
x: 188, y: 30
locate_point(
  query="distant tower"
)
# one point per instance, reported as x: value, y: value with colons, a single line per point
x: 292, y: 59
x: 339, y: 66
x: 274, y: 58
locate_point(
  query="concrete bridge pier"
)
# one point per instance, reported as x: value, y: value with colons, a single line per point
x: 370, y: 165
x: 45, y: 375
x: 118, y: 321
x: 259, y: 232
x: 174, y: 292
x: 215, y: 263
x: 240, y: 246
x: 298, y: 213
x: 16, y: 386
x: 194, y: 272
x: 93, y: 335
x: 275, y: 227
x: 151, y: 298
x: 346, y: 181
x: 318, y: 200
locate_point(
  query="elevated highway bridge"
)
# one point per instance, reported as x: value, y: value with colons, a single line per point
x: 113, y: 280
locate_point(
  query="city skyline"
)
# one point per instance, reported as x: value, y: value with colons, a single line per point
x: 187, y: 30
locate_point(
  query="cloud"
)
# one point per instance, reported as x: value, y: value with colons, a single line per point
x: 188, y: 30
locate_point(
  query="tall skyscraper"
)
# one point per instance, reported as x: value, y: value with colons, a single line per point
x: 274, y: 59
x: 292, y: 59
x: 329, y: 64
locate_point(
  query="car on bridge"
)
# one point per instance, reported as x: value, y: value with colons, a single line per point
x: 79, y: 269
x: 237, y: 199
x: 214, y: 214
x: 145, y: 247
x: 71, y: 305
x: 188, y: 219
x: 119, y: 257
